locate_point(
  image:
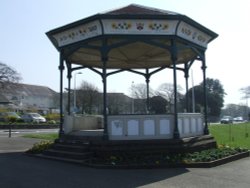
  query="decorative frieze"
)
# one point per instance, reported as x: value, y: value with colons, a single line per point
x: 132, y: 27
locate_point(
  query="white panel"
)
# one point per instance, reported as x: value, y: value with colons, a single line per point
x: 116, y: 127
x: 149, y: 127
x: 180, y: 126
x: 78, y: 33
x: 193, y: 125
x: 193, y: 34
x: 199, y: 122
x: 186, y: 126
x: 164, y: 126
x: 133, y: 127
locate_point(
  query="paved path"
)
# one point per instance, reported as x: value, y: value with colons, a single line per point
x: 21, y: 171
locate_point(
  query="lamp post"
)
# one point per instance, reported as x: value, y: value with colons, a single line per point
x: 75, y: 90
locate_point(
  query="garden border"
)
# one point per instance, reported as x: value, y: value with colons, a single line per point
x: 178, y: 165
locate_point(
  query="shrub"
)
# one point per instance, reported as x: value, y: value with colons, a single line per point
x: 165, y: 158
x: 40, y: 147
x: 54, y: 117
x: 51, y: 122
x: 11, y: 119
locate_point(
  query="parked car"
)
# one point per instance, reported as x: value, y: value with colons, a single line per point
x: 33, y: 117
x: 6, y: 116
x: 226, y: 120
x: 238, y: 119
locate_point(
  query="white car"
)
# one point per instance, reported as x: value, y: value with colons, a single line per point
x: 33, y: 117
x: 226, y: 120
x: 238, y: 119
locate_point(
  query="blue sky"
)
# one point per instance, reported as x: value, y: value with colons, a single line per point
x: 25, y: 47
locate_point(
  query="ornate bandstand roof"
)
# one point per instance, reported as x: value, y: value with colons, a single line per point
x: 134, y: 36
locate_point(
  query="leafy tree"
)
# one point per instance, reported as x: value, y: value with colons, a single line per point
x: 158, y: 105
x: 8, y: 75
x: 118, y: 103
x: 215, y: 97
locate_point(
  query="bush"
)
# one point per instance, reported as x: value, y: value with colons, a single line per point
x: 165, y: 158
x: 11, y: 119
x: 55, y: 117
x: 53, y: 122
x: 40, y: 147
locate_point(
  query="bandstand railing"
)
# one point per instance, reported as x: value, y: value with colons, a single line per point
x: 138, y: 127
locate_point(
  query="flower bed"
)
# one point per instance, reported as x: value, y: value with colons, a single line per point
x: 205, y: 158
x: 202, y: 159
x: 40, y: 147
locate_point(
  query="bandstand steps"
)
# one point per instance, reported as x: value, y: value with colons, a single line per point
x: 70, y: 147
x: 68, y: 154
x: 69, y: 151
x: 85, y: 151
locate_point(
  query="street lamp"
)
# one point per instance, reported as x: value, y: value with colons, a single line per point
x: 75, y: 90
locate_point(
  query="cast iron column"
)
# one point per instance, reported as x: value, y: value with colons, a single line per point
x: 104, y: 79
x: 61, y: 68
x: 186, y: 79
x: 69, y: 76
x: 147, y: 76
x: 174, y: 59
x: 206, y: 131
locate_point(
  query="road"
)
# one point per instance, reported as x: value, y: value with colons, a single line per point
x: 21, y: 171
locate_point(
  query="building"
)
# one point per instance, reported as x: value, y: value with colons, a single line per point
x: 24, y: 97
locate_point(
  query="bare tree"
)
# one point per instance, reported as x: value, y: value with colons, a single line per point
x: 88, y: 97
x: 246, y: 95
x: 166, y: 90
x: 246, y: 92
x: 8, y: 75
x: 139, y: 91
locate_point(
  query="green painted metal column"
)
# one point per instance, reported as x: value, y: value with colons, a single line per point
x: 147, y: 76
x: 206, y: 131
x: 69, y: 76
x: 61, y: 68
x: 174, y: 61
x: 186, y: 75
x: 104, y: 59
x: 105, y: 113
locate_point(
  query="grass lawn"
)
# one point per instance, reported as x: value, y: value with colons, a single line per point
x: 234, y: 135
x: 45, y: 136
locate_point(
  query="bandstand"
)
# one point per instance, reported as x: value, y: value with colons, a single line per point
x: 141, y: 40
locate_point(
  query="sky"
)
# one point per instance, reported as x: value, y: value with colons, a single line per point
x: 25, y: 47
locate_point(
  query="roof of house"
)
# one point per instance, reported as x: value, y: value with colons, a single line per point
x: 28, y: 90
x: 4, y: 100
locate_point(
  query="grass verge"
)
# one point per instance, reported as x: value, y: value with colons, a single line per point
x: 44, y: 136
x: 233, y: 135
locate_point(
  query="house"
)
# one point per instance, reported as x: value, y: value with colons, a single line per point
x: 4, y: 100
x: 26, y: 97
